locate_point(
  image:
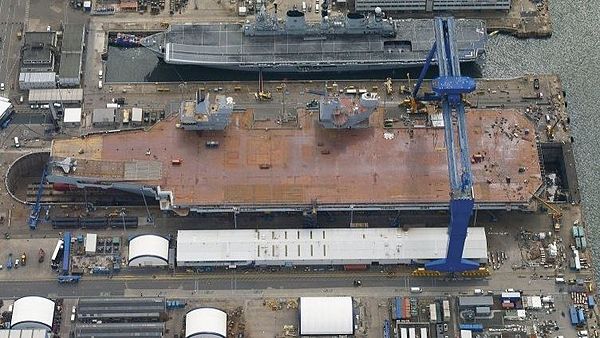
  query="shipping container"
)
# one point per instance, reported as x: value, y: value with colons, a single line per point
x: 573, y: 316
x: 406, y: 308
x: 403, y: 332
x: 355, y: 267
x: 126, y: 116
x: 397, y: 308
x: 424, y: 332
x: 386, y: 329
x: 446, y: 308
x: 581, y: 316
x: 412, y: 332
x: 433, y: 313
x: 475, y: 327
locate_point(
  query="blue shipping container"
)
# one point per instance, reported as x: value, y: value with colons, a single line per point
x: 386, y: 329
x: 66, y: 253
x: 398, y: 308
x: 581, y: 316
x: 573, y: 316
x: 591, y: 302
x: 472, y: 327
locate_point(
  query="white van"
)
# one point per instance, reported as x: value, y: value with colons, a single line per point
x: 304, y: 6
x: 100, y: 74
x: 17, y: 144
x: 100, y: 84
x: 415, y: 289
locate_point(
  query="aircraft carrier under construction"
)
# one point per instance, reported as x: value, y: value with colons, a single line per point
x: 256, y: 165
x: 356, y: 42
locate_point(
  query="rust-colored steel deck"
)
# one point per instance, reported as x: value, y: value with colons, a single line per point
x: 311, y: 165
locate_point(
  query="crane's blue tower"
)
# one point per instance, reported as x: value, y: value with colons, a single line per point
x: 448, y: 89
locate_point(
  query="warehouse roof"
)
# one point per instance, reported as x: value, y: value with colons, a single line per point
x: 131, y: 329
x: 35, y: 333
x: 73, y: 38
x: 103, y: 115
x: 52, y: 95
x: 335, y: 246
x: 72, y: 115
x: 475, y: 301
x: 32, y: 312
x: 134, y: 308
x: 5, y: 105
x: 148, y: 246
x: 70, y: 65
x: 326, y: 316
x: 206, y: 322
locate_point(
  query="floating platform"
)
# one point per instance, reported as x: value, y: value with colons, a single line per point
x: 291, y: 169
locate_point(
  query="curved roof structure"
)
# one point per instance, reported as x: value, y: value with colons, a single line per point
x: 32, y: 312
x: 326, y: 316
x: 206, y: 323
x: 148, y: 250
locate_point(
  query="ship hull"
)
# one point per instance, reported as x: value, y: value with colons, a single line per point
x: 309, y: 68
x: 226, y: 47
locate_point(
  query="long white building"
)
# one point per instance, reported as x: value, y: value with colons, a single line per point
x: 288, y: 247
x: 431, y: 5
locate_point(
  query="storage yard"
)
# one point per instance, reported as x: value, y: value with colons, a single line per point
x: 284, y: 208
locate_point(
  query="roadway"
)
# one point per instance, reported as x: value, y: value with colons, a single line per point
x: 191, y: 284
x: 14, y: 15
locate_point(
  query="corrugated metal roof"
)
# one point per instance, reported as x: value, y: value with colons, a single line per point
x: 72, y: 115
x: 32, y: 309
x: 208, y: 321
x: 51, y: 95
x: 73, y: 38
x: 148, y: 250
x: 322, y: 246
x: 475, y: 301
x: 326, y: 316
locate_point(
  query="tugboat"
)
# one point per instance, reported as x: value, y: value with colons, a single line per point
x: 124, y: 40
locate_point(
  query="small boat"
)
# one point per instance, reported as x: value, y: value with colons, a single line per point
x: 124, y: 40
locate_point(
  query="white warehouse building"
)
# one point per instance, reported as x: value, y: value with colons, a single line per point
x: 32, y: 312
x: 326, y: 316
x: 206, y: 323
x: 148, y: 250
x: 289, y: 247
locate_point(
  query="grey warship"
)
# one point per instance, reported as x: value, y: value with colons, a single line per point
x: 354, y: 42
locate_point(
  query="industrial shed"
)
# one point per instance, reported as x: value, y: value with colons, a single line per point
x: 288, y: 247
x: 103, y: 116
x: 64, y: 95
x: 32, y: 312
x: 148, y: 250
x: 326, y: 316
x: 72, y: 116
x: 119, y: 330
x: 206, y: 323
x: 37, y: 333
x: 120, y: 309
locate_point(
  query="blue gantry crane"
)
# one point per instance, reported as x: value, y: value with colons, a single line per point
x: 448, y: 89
x: 37, y: 206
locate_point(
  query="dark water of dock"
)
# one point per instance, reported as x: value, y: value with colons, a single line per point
x: 573, y: 52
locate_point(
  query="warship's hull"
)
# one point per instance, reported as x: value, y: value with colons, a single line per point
x: 224, y: 46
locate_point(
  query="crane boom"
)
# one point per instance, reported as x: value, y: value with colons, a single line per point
x: 449, y: 88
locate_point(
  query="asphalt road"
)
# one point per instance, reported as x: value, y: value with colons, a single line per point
x: 12, y: 18
x: 223, y: 282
